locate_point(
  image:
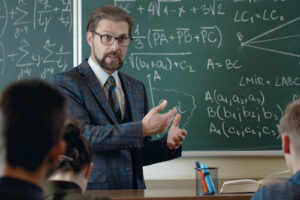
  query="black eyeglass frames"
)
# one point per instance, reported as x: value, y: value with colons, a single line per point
x: 106, y: 39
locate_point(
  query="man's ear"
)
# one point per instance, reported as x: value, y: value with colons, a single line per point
x: 286, y: 144
x: 88, y: 170
x: 89, y: 38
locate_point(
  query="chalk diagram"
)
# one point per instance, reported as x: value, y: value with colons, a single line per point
x: 278, y: 44
x: 185, y: 103
x: 3, y: 23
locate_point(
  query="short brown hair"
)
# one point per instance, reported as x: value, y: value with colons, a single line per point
x: 290, y: 123
x: 33, y: 113
x: 111, y: 13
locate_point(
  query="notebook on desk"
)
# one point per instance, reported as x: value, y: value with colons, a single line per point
x: 240, y: 186
x: 251, y: 186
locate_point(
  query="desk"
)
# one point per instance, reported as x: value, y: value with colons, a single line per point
x: 167, y: 189
x: 164, y: 194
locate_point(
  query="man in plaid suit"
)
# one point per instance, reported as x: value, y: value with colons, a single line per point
x: 121, y: 145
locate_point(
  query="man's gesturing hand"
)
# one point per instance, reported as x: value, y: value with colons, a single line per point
x: 155, y: 122
x: 175, y: 134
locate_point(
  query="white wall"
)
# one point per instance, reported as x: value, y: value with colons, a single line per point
x: 229, y: 167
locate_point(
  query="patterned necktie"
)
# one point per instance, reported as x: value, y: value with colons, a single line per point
x: 112, y: 96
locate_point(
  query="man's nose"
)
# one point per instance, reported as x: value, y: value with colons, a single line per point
x: 115, y: 45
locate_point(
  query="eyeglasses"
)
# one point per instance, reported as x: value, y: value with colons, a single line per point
x: 106, y: 39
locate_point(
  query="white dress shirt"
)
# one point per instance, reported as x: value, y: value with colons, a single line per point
x: 102, y: 76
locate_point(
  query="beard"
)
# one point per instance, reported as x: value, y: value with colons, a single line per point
x: 113, y: 65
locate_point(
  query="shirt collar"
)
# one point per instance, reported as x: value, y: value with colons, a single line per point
x: 101, y: 74
x: 60, y: 186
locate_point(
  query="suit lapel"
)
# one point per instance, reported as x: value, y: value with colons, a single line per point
x: 99, y: 93
x: 131, y: 96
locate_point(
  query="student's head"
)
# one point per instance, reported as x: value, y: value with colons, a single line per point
x: 78, y: 154
x: 104, y: 26
x: 289, y: 129
x: 77, y: 160
x: 33, y: 116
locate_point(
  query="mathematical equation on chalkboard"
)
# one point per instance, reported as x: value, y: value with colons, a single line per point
x: 35, y: 38
x: 205, y: 56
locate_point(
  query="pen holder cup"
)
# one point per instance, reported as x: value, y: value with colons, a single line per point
x: 207, y: 181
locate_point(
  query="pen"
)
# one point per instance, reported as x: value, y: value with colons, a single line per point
x: 202, y: 178
x: 209, y: 182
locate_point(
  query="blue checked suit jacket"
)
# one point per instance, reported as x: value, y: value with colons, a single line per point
x: 119, y: 149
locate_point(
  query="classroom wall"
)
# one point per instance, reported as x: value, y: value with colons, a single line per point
x: 229, y: 167
x: 255, y: 167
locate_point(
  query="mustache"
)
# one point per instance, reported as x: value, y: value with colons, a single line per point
x: 113, y: 53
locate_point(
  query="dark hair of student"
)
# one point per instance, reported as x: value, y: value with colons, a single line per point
x: 33, y: 115
x: 78, y: 153
x: 110, y: 13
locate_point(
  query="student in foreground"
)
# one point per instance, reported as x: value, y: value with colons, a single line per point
x: 69, y: 181
x: 32, y: 122
x: 289, y: 129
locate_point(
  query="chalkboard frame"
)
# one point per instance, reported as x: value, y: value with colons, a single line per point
x: 272, y: 153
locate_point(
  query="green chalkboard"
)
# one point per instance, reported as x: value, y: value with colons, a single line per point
x: 36, y: 39
x: 230, y: 67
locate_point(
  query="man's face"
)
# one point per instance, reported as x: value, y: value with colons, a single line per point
x: 109, y: 57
